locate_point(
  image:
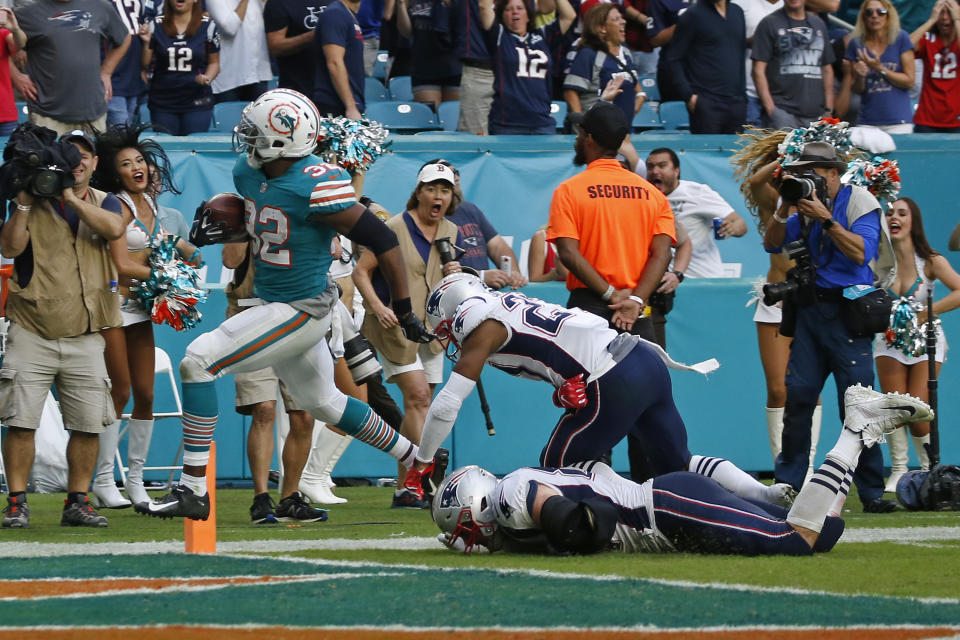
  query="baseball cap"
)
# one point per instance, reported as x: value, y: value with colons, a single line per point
x: 81, y: 136
x: 434, y: 172
x: 605, y: 122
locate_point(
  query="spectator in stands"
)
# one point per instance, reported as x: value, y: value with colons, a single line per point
x: 696, y: 205
x: 879, y: 65
x: 435, y: 68
x: 663, y: 22
x: 397, y: 47
x: 338, y: 40
x: 543, y: 263
x: 245, y: 65
x: 257, y: 398
x: 69, y: 84
x: 415, y: 368
x: 182, y: 52
x: 62, y: 262
x: 124, y: 170
x: 753, y: 12
x: 522, y: 66
x: 481, y: 242
x: 918, y: 269
x: 600, y: 59
x: 12, y: 39
x: 704, y: 61
x: 935, y: 43
x: 638, y: 37
x: 290, y: 25
x: 476, y: 77
x: 129, y: 82
x: 370, y: 17
x: 791, y: 67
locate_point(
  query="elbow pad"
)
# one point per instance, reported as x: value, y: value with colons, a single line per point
x: 578, y: 527
x: 371, y: 232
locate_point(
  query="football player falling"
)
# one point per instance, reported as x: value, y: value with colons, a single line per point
x: 295, y: 204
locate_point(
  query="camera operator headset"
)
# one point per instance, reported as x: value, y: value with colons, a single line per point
x: 834, y: 307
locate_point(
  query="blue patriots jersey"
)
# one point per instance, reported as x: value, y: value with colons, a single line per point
x: 522, y: 85
x: 291, y: 250
x: 126, y: 80
x: 176, y: 64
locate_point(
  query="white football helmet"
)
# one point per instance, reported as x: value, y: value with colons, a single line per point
x: 461, y: 507
x: 281, y: 123
x: 444, y: 301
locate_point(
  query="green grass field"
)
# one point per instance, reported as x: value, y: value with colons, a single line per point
x: 911, y: 565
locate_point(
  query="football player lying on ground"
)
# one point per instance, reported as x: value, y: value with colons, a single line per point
x: 295, y: 204
x: 610, y: 384
x: 590, y: 508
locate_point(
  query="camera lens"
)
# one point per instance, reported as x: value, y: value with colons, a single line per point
x: 777, y: 291
x: 46, y: 183
x: 362, y: 363
x: 796, y: 189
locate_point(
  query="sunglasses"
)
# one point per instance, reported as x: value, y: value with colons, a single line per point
x: 875, y: 12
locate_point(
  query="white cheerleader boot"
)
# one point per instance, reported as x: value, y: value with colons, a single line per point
x: 105, y: 492
x: 815, y: 422
x: 919, y: 443
x: 899, y: 453
x: 315, y: 481
x: 137, y: 447
x: 775, y: 430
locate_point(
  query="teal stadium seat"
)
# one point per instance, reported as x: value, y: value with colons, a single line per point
x: 646, y: 119
x: 400, y: 89
x: 449, y: 113
x: 23, y: 113
x: 374, y: 91
x: 558, y: 109
x: 648, y: 84
x: 380, y: 65
x: 403, y: 117
x: 674, y: 116
x: 226, y: 115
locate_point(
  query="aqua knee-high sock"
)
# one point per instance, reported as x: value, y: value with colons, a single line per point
x: 199, y: 421
x: 361, y: 422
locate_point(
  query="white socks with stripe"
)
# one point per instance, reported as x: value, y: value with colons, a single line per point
x: 730, y: 477
x: 821, y: 496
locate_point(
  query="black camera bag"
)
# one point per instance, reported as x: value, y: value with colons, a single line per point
x: 868, y: 314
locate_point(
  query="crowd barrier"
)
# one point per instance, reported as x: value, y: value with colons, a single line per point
x: 512, y: 179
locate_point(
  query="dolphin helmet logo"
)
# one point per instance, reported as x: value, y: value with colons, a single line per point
x: 284, y: 120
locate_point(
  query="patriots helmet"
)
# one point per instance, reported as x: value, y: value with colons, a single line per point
x: 444, y: 302
x: 281, y: 123
x: 461, y: 507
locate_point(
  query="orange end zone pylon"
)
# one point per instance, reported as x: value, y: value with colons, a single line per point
x: 200, y: 536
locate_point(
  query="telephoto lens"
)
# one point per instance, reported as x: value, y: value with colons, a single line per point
x: 363, y: 365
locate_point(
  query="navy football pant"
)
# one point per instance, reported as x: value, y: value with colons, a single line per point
x: 698, y: 515
x: 635, y: 397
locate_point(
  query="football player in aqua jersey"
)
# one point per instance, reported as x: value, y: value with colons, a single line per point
x: 294, y: 205
x: 610, y: 384
x: 590, y: 508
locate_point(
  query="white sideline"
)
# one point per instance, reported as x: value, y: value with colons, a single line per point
x: 46, y: 549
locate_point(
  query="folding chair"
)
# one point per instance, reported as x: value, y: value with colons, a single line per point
x: 403, y: 117
x: 449, y: 113
x: 646, y: 119
x: 558, y: 109
x: 374, y: 91
x: 674, y: 115
x: 226, y: 115
x: 162, y: 365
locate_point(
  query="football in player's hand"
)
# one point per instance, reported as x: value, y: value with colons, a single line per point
x: 219, y: 220
x: 226, y: 208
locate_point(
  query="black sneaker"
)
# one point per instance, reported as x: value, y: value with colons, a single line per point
x: 16, y: 514
x: 262, y: 510
x: 880, y: 505
x: 81, y: 514
x: 294, y: 508
x: 181, y: 502
x: 430, y: 482
x: 408, y: 499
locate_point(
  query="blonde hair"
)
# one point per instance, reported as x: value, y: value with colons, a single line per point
x: 893, y: 22
x: 758, y: 147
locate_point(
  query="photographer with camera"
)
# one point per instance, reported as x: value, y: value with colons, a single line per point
x: 415, y: 368
x: 833, y: 232
x: 62, y: 294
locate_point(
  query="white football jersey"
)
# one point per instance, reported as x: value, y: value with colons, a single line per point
x: 545, y: 341
x: 635, y: 531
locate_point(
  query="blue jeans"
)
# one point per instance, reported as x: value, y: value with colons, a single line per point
x: 754, y: 111
x: 6, y: 128
x: 821, y: 346
x: 122, y: 110
x: 181, y: 124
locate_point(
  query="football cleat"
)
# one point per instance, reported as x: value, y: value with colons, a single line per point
x: 781, y: 494
x: 294, y: 508
x: 181, y: 502
x: 424, y: 482
x: 16, y: 514
x: 81, y: 514
x: 873, y: 414
x: 408, y: 499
